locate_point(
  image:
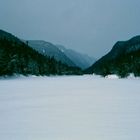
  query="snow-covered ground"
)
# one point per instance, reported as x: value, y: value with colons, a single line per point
x: 70, y: 108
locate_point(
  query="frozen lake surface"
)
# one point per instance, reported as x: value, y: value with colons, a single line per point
x: 69, y: 108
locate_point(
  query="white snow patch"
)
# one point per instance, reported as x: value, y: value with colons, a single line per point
x: 113, y: 76
x: 69, y: 108
x: 131, y: 76
x: 44, y: 51
x: 61, y: 50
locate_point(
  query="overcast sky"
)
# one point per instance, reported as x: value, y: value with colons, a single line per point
x: 89, y: 26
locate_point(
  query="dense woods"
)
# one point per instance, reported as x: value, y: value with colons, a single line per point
x: 123, y: 59
x: 17, y: 57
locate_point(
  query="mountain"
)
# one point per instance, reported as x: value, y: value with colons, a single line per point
x: 8, y: 36
x: 81, y: 60
x: 123, y: 59
x: 60, y: 53
x: 16, y: 57
x: 48, y: 49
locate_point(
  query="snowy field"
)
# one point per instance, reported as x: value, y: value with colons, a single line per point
x: 70, y: 108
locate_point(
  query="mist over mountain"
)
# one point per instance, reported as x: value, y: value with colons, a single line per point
x: 81, y: 60
x: 60, y: 53
x: 123, y: 59
x: 48, y: 49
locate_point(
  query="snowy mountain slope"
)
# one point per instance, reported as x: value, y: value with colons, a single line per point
x: 48, y: 49
x: 81, y: 60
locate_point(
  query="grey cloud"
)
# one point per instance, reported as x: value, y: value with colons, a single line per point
x: 89, y: 26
